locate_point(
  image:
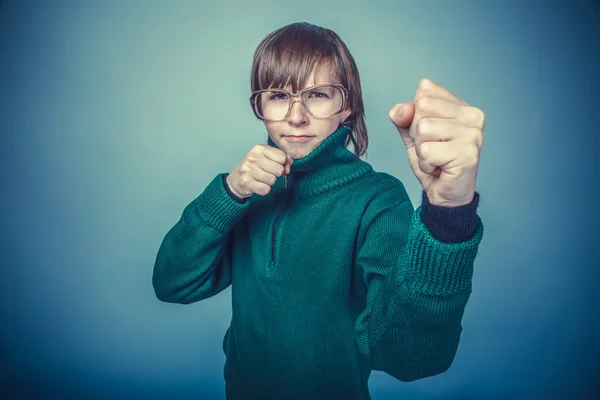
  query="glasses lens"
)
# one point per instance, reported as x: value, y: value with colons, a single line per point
x: 323, y: 101
x: 272, y: 105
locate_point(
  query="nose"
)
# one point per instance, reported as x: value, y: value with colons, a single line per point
x: 298, y: 114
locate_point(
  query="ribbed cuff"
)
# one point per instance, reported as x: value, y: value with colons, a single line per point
x: 450, y: 224
x: 233, y: 195
x: 438, y: 268
x: 216, y: 207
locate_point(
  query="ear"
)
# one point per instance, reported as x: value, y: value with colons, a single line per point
x: 344, y: 115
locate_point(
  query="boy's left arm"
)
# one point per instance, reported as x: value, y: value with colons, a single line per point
x: 417, y: 267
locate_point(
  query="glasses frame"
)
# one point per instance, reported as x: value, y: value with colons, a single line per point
x: 291, y: 95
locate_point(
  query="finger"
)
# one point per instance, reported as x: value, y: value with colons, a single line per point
x: 402, y: 115
x: 443, y: 108
x: 275, y: 154
x: 257, y: 174
x: 288, y: 164
x: 437, y: 107
x: 271, y: 167
x: 259, y: 188
x: 425, y: 166
x: 429, y: 88
x: 435, y: 130
x: 436, y: 154
x: 446, y: 130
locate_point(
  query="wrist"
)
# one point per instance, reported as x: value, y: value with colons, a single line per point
x: 232, y: 190
x: 454, y: 204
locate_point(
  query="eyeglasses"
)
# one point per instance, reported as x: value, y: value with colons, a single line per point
x: 321, y: 101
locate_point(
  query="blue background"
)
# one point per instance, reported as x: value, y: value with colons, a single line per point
x: 115, y: 115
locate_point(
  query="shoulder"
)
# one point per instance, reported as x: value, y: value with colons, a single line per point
x: 382, y: 190
x: 387, y: 212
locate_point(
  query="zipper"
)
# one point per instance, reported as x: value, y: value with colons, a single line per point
x: 283, y: 210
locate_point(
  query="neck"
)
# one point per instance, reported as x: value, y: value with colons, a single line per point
x: 328, y: 165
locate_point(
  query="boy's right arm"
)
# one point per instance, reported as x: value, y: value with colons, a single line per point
x: 194, y: 259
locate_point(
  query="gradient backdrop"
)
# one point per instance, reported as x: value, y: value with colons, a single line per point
x: 114, y: 115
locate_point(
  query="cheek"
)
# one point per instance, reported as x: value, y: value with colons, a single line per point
x: 270, y: 127
x: 275, y: 129
x: 337, y: 124
x: 330, y: 125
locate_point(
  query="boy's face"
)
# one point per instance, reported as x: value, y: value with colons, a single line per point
x: 301, y: 123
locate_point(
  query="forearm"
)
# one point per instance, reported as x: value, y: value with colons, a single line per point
x: 193, y: 259
x: 415, y: 322
x: 418, y: 336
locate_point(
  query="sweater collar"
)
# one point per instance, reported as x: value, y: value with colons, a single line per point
x: 328, y: 165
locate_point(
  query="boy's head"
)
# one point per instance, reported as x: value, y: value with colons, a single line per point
x: 299, y: 56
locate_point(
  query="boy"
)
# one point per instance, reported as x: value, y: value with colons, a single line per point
x: 333, y: 272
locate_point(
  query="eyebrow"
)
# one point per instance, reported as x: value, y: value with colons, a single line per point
x: 307, y: 87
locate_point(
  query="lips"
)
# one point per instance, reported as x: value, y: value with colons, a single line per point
x: 298, y: 138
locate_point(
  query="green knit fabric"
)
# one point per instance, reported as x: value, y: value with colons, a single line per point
x: 332, y: 276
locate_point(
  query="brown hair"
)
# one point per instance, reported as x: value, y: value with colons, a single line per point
x: 289, y: 55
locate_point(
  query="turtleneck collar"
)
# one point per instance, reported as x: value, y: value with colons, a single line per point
x: 329, y: 164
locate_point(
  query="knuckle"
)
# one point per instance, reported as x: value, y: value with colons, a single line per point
x: 252, y: 152
x: 424, y: 165
x: 282, y: 157
x: 478, y: 116
x: 425, y: 84
x: 424, y: 125
x: 244, y: 168
x: 423, y: 150
x: 477, y: 136
x: 422, y: 104
x: 472, y: 155
x: 249, y: 180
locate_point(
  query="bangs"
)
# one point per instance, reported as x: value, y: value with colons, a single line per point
x: 290, y: 55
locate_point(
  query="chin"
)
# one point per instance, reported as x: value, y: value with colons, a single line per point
x: 300, y: 154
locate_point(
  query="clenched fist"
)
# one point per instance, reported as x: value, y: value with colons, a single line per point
x: 258, y: 171
x: 443, y: 137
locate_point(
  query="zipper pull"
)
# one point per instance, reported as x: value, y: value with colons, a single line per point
x: 285, y: 181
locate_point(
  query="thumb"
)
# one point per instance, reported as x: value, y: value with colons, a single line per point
x: 402, y: 115
x: 288, y: 164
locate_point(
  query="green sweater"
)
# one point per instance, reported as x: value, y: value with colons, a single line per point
x: 332, y: 275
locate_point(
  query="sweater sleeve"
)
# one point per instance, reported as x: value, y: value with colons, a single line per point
x: 417, y: 291
x: 450, y: 224
x: 194, y: 259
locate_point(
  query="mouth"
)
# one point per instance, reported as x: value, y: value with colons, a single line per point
x: 298, y: 138
x: 299, y: 135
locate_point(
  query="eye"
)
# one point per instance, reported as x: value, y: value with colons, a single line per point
x: 318, y: 95
x: 278, y: 96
